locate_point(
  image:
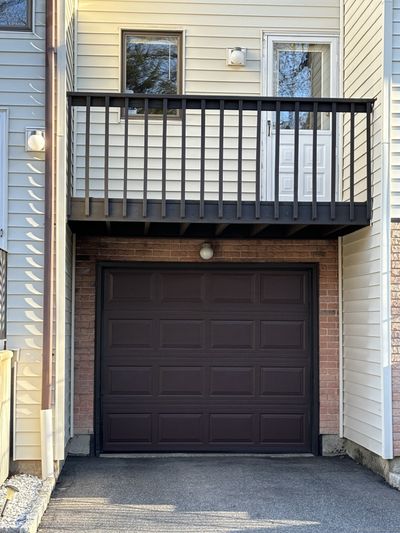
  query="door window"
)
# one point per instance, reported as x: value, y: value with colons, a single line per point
x: 302, y: 70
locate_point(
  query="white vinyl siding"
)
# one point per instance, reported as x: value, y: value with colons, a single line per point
x: 208, y: 28
x: 395, y: 141
x: 362, y: 253
x: 22, y: 73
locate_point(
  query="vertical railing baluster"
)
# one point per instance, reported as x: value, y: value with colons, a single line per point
x: 296, y: 160
x: 352, y: 154
x: 106, y: 154
x: 369, y: 162
x: 164, y: 159
x: 183, y: 161
x: 277, y: 158
x: 202, y: 155
x: 315, y: 161
x: 221, y: 159
x: 258, y: 162
x: 240, y: 159
x: 87, y: 156
x: 69, y: 160
x: 145, y: 156
x: 126, y: 142
x: 333, y: 161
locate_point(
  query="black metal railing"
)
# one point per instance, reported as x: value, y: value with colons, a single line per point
x: 245, y: 118
x: 3, y: 297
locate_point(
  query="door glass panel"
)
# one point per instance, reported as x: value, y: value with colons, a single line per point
x: 302, y: 70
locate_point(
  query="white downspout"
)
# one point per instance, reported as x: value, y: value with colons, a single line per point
x: 386, y: 351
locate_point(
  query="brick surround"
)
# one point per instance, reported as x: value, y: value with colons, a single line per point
x: 395, y: 289
x: 93, y: 249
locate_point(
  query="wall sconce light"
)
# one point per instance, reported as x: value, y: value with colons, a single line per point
x: 206, y: 251
x: 35, y: 140
x: 236, y: 57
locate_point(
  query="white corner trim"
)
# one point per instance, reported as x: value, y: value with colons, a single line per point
x: 385, y: 323
x: 3, y: 178
x: 60, y: 261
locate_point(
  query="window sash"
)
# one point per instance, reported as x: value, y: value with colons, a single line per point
x: 154, y: 35
x: 21, y: 27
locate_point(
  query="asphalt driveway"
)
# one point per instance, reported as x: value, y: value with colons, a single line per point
x: 225, y: 494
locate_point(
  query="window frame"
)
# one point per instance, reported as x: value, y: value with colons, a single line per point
x: 174, y: 33
x: 29, y: 25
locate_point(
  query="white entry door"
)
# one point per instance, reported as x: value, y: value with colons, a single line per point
x: 299, y: 68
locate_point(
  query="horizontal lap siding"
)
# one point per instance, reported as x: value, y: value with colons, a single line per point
x: 362, y: 75
x: 210, y: 28
x: 22, y: 93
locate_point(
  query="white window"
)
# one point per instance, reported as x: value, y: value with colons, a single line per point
x: 16, y: 15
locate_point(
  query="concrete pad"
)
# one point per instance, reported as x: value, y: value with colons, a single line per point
x: 226, y: 494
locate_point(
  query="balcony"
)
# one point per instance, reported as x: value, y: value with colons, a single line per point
x: 213, y: 166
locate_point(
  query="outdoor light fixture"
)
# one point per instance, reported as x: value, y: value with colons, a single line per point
x: 236, y: 57
x: 35, y: 140
x: 11, y: 491
x: 206, y: 251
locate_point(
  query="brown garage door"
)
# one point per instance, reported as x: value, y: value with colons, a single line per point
x: 205, y: 359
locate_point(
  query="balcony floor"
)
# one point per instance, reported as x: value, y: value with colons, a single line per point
x: 255, y: 222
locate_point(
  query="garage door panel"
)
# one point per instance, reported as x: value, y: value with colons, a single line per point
x: 134, y: 333
x: 283, y: 334
x: 280, y: 289
x: 131, y: 381
x: 182, y: 333
x: 232, y: 334
x: 219, y: 288
x: 212, y: 360
x: 233, y: 428
x: 125, y: 289
x: 181, y: 428
x: 181, y: 287
x: 277, y: 381
x: 181, y: 381
x: 283, y: 428
x: 232, y: 381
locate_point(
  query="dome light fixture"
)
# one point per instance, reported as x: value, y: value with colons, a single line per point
x: 206, y: 251
x: 35, y: 140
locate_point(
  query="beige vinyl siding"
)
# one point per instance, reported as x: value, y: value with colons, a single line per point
x: 27, y: 396
x: 362, y: 76
x: 22, y: 93
x: 209, y: 28
x: 395, y: 141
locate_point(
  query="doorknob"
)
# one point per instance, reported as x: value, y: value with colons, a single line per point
x: 269, y: 125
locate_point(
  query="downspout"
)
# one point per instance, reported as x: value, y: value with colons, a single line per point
x: 386, y: 326
x: 46, y: 414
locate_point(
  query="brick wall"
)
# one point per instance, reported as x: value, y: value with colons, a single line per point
x: 92, y: 249
x: 396, y: 335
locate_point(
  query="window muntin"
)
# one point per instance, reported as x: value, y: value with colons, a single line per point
x: 16, y: 15
x: 151, y: 64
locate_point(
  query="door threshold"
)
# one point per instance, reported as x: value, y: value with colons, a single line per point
x: 174, y: 455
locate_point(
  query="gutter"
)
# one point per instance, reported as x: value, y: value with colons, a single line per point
x: 46, y: 414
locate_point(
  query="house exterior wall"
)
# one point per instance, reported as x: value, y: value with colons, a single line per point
x: 208, y: 29
x: 89, y: 250
x: 365, y: 394
x: 22, y: 71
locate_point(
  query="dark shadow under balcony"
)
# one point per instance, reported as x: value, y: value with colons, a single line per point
x: 213, y: 166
